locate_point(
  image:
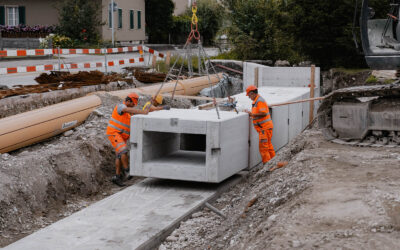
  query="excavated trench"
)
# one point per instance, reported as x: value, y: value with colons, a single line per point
x: 48, y: 181
x: 45, y: 182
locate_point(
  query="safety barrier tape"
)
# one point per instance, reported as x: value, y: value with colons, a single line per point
x: 88, y: 65
x: 45, y: 52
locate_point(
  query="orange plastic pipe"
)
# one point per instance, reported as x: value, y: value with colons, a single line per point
x: 191, y: 86
x: 34, y: 126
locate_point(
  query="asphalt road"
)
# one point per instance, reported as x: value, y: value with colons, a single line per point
x: 29, y: 78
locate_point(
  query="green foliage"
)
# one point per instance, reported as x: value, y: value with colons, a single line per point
x: 371, y: 79
x: 80, y: 20
x: 295, y: 30
x: 159, y: 20
x: 180, y: 29
x: 210, y: 18
x: 163, y: 67
x: 388, y: 81
x: 58, y: 41
x: 227, y: 56
x: 210, y: 14
x: 258, y: 30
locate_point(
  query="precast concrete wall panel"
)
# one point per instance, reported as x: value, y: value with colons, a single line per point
x: 248, y: 73
x: 289, y: 120
x: 280, y: 135
x: 191, y: 145
x: 288, y: 76
x: 295, y: 118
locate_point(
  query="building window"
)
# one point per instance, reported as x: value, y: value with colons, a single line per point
x: 119, y: 18
x: 131, y: 19
x: 12, y: 16
x: 139, y: 19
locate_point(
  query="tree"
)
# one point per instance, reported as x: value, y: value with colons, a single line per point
x: 80, y: 20
x: 210, y: 14
x: 258, y: 29
x: 159, y: 20
x: 319, y: 30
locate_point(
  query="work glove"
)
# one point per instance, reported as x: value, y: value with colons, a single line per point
x: 166, y: 107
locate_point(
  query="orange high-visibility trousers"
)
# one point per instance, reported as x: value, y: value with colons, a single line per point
x: 266, y: 149
x: 119, y: 144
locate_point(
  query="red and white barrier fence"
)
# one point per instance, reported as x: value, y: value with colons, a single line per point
x: 88, y: 65
x: 68, y: 66
x: 45, y: 52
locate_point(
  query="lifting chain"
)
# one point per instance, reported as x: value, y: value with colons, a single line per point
x: 194, y: 33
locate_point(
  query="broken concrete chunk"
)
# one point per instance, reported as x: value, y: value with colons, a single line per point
x: 282, y: 63
x: 5, y: 157
x: 68, y: 133
x: 98, y: 113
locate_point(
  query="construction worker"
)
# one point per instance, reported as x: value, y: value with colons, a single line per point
x: 262, y: 123
x: 118, y: 132
x: 153, y: 105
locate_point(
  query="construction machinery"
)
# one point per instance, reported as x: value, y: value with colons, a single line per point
x: 369, y: 115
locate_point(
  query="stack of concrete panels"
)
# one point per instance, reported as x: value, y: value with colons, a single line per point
x: 282, y: 77
x: 192, y: 145
x: 289, y: 120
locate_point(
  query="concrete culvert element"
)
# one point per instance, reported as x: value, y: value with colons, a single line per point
x: 192, y: 145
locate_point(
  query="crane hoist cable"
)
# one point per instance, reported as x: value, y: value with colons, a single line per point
x: 202, y: 58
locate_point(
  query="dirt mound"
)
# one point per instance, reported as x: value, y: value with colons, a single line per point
x: 65, y: 80
x: 88, y: 77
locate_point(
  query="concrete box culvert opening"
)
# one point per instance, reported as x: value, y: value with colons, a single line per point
x: 167, y: 149
x: 189, y: 145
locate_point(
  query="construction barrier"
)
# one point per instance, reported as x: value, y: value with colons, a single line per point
x: 68, y: 66
x: 45, y: 52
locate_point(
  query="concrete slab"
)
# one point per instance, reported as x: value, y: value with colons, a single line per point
x: 192, y: 145
x: 139, y: 217
x: 279, y: 76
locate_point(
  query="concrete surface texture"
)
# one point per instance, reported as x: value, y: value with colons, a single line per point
x: 190, y: 145
x: 329, y: 196
x: 123, y: 220
x: 279, y: 76
x: 282, y: 77
x: 289, y: 120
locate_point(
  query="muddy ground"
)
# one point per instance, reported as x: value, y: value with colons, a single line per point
x: 329, y: 196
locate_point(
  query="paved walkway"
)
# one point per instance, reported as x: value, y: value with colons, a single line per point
x: 138, y: 217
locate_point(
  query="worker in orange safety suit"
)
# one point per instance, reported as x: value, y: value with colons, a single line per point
x: 262, y: 123
x: 118, y: 132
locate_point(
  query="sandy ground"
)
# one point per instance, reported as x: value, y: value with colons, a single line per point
x: 329, y: 196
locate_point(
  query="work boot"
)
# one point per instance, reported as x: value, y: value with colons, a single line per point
x: 117, y: 180
x: 127, y: 175
x: 268, y: 169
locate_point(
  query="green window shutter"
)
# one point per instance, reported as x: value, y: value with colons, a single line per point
x: 131, y: 19
x: 2, y: 15
x: 21, y: 12
x: 109, y: 18
x: 120, y: 18
x: 139, y: 19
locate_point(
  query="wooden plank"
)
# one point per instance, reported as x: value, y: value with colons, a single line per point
x: 312, y: 88
x: 256, y: 70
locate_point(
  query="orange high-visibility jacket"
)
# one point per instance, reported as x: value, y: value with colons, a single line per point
x: 120, y: 123
x: 260, y: 106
